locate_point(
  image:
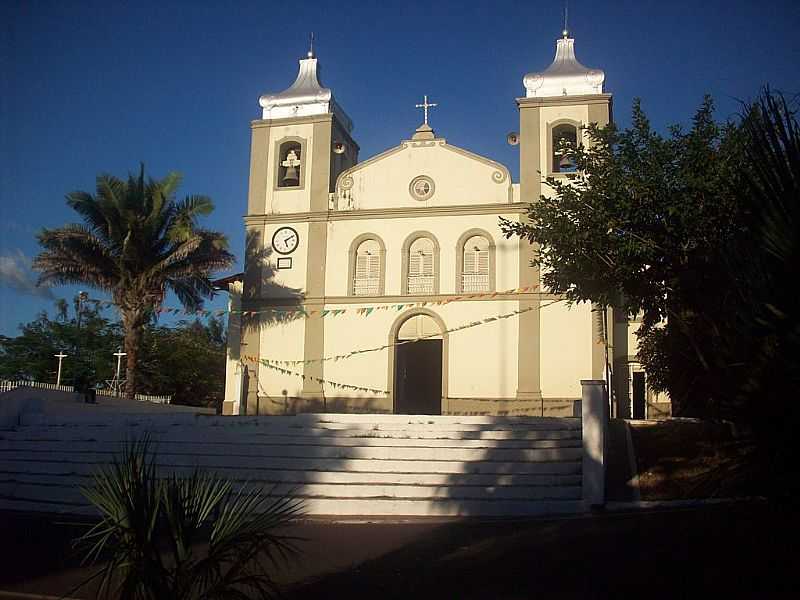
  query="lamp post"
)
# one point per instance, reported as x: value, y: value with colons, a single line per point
x: 117, y: 383
x: 60, y: 356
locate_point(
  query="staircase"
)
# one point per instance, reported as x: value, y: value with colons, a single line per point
x: 389, y: 465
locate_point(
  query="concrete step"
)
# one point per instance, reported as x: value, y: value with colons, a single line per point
x: 71, y: 494
x: 381, y: 419
x: 96, y: 452
x: 244, y: 433
x: 335, y: 507
x: 82, y: 475
x: 237, y: 443
x: 334, y: 464
x: 43, y: 461
x: 444, y: 508
x: 325, y: 421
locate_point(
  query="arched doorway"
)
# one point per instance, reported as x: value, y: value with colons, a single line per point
x: 418, y: 365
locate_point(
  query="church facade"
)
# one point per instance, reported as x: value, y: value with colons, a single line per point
x: 386, y: 286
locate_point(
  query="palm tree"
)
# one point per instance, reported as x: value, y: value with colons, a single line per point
x: 136, y: 243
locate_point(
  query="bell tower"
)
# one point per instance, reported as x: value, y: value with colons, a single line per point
x: 299, y: 146
x: 559, y: 103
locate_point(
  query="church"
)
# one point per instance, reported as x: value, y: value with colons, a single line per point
x: 386, y: 285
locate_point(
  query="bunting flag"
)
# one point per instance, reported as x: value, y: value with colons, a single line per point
x: 334, y: 312
x: 352, y: 353
x: 334, y: 384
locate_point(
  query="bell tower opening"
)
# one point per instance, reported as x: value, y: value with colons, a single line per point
x: 289, y: 164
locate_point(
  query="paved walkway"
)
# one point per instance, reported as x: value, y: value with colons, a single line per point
x: 738, y: 550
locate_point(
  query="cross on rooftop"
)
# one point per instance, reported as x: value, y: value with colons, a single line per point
x: 425, y: 106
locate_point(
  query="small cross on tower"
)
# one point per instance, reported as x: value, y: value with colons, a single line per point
x: 425, y: 106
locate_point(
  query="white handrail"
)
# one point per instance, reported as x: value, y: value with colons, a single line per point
x: 7, y: 386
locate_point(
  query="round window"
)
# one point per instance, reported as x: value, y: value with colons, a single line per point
x: 421, y: 187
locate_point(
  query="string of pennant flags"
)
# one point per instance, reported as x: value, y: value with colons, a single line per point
x: 363, y: 311
x: 333, y: 384
x: 338, y: 357
x: 275, y: 364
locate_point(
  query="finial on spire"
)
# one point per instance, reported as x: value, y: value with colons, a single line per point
x: 311, y: 45
x: 565, y: 32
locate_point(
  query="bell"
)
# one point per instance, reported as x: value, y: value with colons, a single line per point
x: 565, y: 163
x: 291, y: 175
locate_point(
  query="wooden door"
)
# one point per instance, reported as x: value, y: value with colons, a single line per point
x: 418, y: 378
x: 639, y: 400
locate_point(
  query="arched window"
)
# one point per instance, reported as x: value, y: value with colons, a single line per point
x: 475, y: 276
x: 367, y: 280
x: 290, y: 165
x: 367, y: 266
x: 564, y: 141
x: 475, y: 268
x: 421, y: 268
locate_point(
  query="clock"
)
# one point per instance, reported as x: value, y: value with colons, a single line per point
x: 285, y: 240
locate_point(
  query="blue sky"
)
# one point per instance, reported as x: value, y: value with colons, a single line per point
x: 92, y: 87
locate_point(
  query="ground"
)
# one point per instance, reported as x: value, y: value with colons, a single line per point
x: 680, y: 459
x: 738, y: 549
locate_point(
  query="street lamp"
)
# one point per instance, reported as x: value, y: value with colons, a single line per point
x: 116, y: 383
x: 60, y: 356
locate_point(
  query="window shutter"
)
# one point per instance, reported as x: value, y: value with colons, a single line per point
x: 427, y: 264
x: 362, y: 266
x: 415, y: 265
x: 469, y: 261
x: 483, y: 262
x: 374, y: 267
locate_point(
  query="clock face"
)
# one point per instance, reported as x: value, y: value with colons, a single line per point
x: 285, y: 240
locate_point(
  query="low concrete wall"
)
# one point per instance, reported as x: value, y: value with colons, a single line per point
x: 25, y: 405
x: 502, y: 407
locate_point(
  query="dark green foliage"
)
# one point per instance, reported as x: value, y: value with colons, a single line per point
x: 186, y: 362
x: 645, y: 224
x: 30, y: 355
x: 183, y: 537
x: 698, y: 232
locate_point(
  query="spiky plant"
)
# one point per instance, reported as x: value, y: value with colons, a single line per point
x: 183, y: 538
x: 136, y: 243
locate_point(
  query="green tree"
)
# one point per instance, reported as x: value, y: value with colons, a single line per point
x: 644, y: 224
x: 30, y: 355
x: 186, y: 362
x: 698, y: 232
x: 137, y: 242
x: 762, y: 270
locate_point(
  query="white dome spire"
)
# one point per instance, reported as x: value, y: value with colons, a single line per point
x: 305, y: 97
x: 566, y: 76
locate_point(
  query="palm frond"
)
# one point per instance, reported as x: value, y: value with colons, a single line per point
x: 73, y: 254
x: 144, y: 517
x: 186, y: 215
